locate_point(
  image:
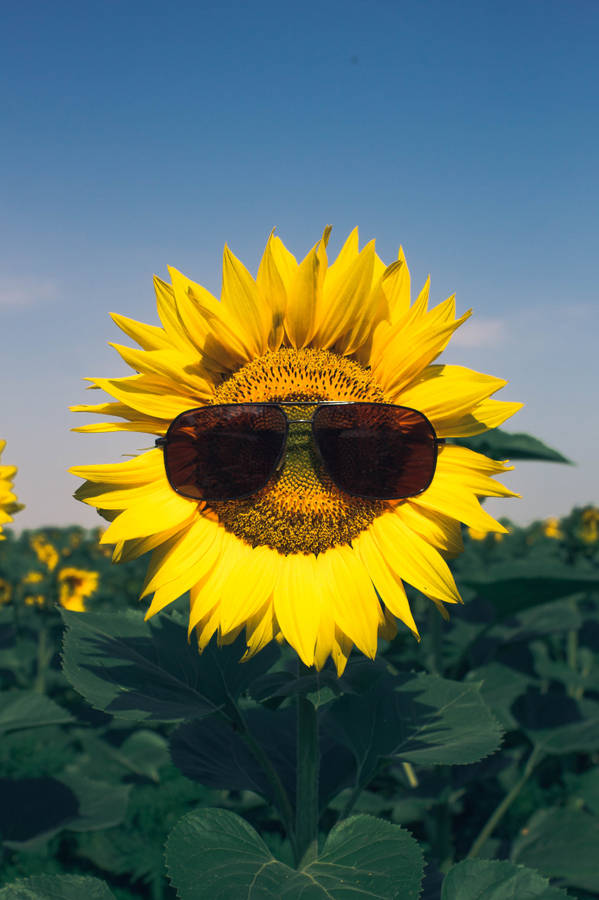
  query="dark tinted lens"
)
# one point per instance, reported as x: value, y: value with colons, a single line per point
x: 224, y: 452
x: 376, y: 450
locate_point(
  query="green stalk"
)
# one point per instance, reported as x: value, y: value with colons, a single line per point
x: 496, y: 817
x: 306, y: 817
x: 42, y: 659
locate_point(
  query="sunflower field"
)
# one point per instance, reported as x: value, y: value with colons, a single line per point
x: 487, y: 758
x: 268, y: 697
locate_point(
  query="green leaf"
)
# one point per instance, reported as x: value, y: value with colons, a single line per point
x: 586, y: 787
x: 562, y: 843
x: 212, y: 752
x: 101, y: 805
x: 149, y: 671
x: 556, y: 723
x: 144, y: 753
x: 500, y: 444
x: 57, y: 887
x: 416, y: 718
x: 33, y: 810
x: 501, y: 686
x: 484, y: 879
x: 517, y: 585
x: 29, y: 709
x: 213, y: 854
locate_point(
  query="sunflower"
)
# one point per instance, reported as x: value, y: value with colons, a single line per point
x: 5, y: 591
x: 551, y: 528
x: 8, y: 501
x: 301, y: 561
x: 45, y: 551
x: 74, y: 586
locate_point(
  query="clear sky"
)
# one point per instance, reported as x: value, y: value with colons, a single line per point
x: 140, y: 134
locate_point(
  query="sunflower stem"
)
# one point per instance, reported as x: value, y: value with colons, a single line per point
x: 306, y: 819
x: 499, y: 812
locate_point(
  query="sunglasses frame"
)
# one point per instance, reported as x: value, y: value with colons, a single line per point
x: 317, y: 404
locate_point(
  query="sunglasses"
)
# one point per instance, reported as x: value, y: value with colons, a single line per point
x: 377, y: 451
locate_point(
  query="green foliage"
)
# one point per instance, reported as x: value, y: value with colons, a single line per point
x: 28, y: 709
x: 57, y: 887
x: 499, y: 444
x: 142, y: 671
x: 414, y: 739
x: 561, y: 843
x: 419, y: 719
x: 492, y: 880
x: 215, y: 855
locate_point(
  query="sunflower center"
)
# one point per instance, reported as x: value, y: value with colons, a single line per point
x: 300, y: 510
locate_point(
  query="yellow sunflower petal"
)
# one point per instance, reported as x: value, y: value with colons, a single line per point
x: 209, y: 330
x: 149, y: 337
x: 248, y: 586
x: 240, y: 299
x: 356, y: 609
x: 272, y: 293
x: 440, y: 531
x: 143, y: 469
x: 389, y: 587
x: 142, y: 519
x: 303, y: 298
x: 447, y: 392
x: 191, y: 552
x: 259, y: 630
x: 413, y: 348
x: 342, y: 647
x: 413, y: 559
x: 136, y: 547
x: 172, y: 366
x: 206, y: 593
x: 149, y: 395
x: 344, y: 298
x: 297, y: 603
x: 450, y: 498
x: 485, y: 415
x: 398, y: 289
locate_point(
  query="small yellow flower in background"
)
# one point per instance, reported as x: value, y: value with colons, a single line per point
x: 589, y: 525
x: 34, y: 599
x: 8, y: 500
x: 5, y: 591
x: 75, y: 586
x: 33, y: 578
x: 45, y: 551
x: 551, y: 528
x: 299, y: 560
x: 477, y: 535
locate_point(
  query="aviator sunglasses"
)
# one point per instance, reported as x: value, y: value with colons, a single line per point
x: 377, y: 451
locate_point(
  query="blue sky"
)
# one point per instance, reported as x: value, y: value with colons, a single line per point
x: 143, y: 134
